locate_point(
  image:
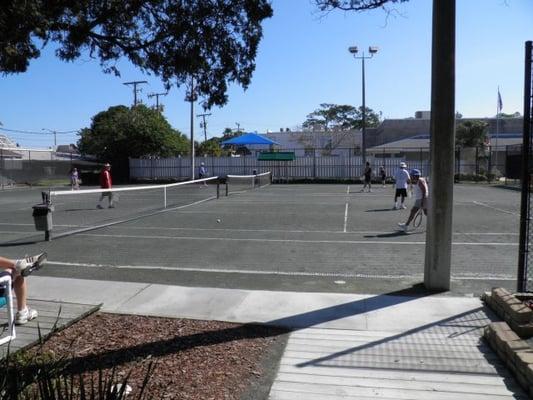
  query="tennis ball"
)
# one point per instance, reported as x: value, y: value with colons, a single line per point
x: 218, y: 221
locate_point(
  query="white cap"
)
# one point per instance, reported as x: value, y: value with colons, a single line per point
x: 403, y: 165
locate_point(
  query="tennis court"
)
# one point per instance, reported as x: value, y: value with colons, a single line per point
x: 313, y: 237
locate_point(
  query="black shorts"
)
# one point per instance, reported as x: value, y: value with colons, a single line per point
x: 367, y: 179
x: 401, y: 192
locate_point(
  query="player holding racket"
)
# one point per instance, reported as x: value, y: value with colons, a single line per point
x: 421, y: 193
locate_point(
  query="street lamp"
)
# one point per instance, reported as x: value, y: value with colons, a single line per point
x: 372, y: 50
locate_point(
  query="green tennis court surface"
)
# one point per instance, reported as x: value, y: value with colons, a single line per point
x: 288, y: 237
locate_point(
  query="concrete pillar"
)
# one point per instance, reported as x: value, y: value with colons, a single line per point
x: 442, y: 129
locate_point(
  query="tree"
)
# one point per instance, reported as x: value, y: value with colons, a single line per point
x: 121, y: 132
x: 210, y: 147
x: 471, y: 134
x: 340, y: 118
x: 214, y: 42
x: 353, y: 5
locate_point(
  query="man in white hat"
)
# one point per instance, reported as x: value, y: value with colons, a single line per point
x: 402, y: 178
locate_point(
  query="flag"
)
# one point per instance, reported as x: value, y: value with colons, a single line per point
x: 500, y: 104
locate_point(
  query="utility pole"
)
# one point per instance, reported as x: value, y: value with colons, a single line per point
x: 135, y: 90
x: 238, y: 127
x: 156, y: 95
x: 204, y: 124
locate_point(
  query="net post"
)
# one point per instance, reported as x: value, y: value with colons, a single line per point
x: 227, y: 189
x: 164, y: 197
x: 218, y: 189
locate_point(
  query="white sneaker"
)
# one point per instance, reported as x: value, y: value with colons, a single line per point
x: 30, y: 264
x: 25, y: 316
x: 395, y: 207
x: 403, y: 227
x: 403, y: 207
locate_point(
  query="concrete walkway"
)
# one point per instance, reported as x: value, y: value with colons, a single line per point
x: 343, y: 346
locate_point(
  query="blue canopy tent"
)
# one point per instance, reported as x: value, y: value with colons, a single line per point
x: 249, y: 139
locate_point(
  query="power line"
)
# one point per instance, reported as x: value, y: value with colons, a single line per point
x: 37, y: 133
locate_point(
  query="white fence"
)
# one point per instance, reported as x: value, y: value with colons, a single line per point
x: 320, y: 168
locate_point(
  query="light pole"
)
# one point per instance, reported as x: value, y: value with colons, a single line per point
x: 55, y: 135
x: 192, y: 97
x: 354, y: 50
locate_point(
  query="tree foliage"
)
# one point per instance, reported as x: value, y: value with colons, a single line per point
x: 471, y: 133
x: 340, y: 118
x: 121, y: 132
x: 211, y: 147
x: 215, y: 42
x: 353, y: 5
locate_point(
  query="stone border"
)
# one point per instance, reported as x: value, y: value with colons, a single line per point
x: 506, y: 337
x: 511, y: 309
x: 515, y: 352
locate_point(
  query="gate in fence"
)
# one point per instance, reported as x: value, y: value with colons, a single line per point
x: 525, y: 257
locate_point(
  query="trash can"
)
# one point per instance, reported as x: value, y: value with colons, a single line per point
x: 42, y: 217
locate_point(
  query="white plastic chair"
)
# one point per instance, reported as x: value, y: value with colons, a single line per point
x: 6, y: 300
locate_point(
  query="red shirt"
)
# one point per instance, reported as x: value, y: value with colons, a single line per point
x: 105, y: 179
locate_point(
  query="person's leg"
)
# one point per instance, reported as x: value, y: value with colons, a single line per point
x: 111, y: 200
x: 99, y: 205
x: 21, y: 290
x: 403, y: 195
x: 396, y: 194
x: 24, y: 313
x: 405, y: 225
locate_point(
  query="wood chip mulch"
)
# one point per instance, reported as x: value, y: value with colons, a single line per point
x: 192, y: 359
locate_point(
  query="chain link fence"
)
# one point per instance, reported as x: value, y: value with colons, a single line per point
x: 39, y: 167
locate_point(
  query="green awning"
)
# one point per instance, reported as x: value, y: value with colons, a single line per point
x: 276, y: 156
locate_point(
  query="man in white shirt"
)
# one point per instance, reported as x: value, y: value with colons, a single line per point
x: 402, y: 178
x: 421, y: 192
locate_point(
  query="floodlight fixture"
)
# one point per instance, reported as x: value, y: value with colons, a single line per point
x: 353, y: 49
x: 373, y: 49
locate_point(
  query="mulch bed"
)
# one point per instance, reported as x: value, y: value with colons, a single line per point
x: 192, y: 359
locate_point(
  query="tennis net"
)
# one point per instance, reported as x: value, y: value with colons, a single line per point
x: 76, y: 211
x: 242, y: 183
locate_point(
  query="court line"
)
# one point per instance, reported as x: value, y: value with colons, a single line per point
x: 226, y: 239
x: 346, y: 209
x: 162, y: 228
x: 479, y: 203
x: 282, y: 273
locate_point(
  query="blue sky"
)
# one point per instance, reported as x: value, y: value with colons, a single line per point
x: 302, y: 61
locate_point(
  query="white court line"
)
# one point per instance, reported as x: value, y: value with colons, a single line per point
x: 346, y: 209
x: 283, y: 273
x: 288, y: 240
x: 166, y: 228
x: 479, y: 203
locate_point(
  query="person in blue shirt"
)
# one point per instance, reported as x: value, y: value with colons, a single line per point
x: 202, y: 172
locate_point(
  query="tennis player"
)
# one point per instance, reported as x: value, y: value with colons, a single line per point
x: 106, y: 183
x: 202, y: 172
x: 402, y: 179
x: 421, y: 192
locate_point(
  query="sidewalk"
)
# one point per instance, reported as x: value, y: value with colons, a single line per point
x: 344, y: 346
